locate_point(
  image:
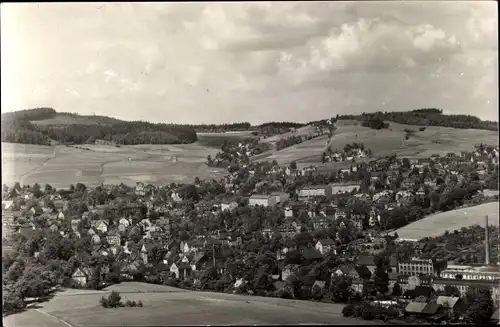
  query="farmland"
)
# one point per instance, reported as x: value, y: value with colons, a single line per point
x: 440, y: 140
x: 438, y: 224
x: 61, y: 166
x: 384, y: 142
x: 164, y: 305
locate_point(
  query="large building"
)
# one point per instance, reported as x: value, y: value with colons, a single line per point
x: 315, y: 191
x: 339, y: 188
x: 470, y: 272
x: 416, y: 267
x: 262, y: 200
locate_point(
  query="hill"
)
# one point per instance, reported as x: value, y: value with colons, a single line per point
x: 426, y: 117
x: 437, y: 224
x: 43, y: 125
x: 166, y: 306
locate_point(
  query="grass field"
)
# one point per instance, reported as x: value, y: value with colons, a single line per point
x: 69, y: 119
x: 434, y: 140
x: 391, y: 141
x: 169, y: 306
x: 61, y: 166
x: 438, y: 224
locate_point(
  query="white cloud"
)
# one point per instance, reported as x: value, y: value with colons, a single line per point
x: 257, y: 59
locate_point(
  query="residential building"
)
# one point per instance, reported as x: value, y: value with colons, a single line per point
x: 325, y: 246
x: 262, y: 200
x: 339, y: 188
x: 314, y: 191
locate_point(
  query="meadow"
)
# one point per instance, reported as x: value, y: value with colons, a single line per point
x: 165, y: 305
x: 438, y: 224
x: 61, y: 166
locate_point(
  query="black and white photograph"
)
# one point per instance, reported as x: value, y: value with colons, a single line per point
x: 250, y: 163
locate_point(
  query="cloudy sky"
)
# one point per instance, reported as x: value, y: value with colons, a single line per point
x: 256, y: 62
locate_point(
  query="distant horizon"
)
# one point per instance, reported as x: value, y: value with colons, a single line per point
x: 251, y: 123
x: 215, y: 63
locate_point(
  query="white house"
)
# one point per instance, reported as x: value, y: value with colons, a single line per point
x: 262, y: 200
x: 325, y: 246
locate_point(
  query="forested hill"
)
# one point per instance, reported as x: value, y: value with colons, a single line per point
x: 428, y: 117
x: 41, y: 125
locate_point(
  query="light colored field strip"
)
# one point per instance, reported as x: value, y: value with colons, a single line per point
x: 54, y: 317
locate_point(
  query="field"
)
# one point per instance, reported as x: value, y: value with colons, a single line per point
x: 169, y: 306
x: 438, y: 224
x: 61, y: 166
x: 439, y: 140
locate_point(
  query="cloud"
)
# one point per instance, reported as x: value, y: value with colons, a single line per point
x: 259, y: 61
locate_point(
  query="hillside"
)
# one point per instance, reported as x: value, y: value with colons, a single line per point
x: 437, y: 224
x: 43, y: 125
x: 427, y: 117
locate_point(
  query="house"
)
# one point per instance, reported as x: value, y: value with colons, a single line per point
x: 198, y: 260
x: 421, y: 307
x: 54, y: 228
x: 100, y: 225
x: 288, y: 271
x: 369, y: 262
x: 91, y: 231
x: 180, y: 270
x: 325, y: 246
x: 82, y: 276
x: 228, y: 205
x: 145, y: 252
x: 96, y: 239
x: 262, y: 200
x: 449, y: 302
x: 113, y: 239
x: 75, y: 223
x: 310, y: 254
x: 187, y: 247
x: 125, y: 222
x: 280, y: 197
x: 314, y: 191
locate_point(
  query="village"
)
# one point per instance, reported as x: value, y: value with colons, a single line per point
x: 305, y: 233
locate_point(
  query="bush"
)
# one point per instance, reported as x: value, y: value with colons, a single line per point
x: 421, y: 129
x: 12, y: 302
x: 366, y: 314
x: 139, y: 304
x: 130, y: 303
x: 348, y: 310
x: 112, y: 301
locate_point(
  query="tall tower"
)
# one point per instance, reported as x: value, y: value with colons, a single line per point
x: 486, y: 241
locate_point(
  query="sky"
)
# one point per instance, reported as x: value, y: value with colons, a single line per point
x: 256, y: 62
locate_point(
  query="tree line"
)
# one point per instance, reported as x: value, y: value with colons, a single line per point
x: 423, y: 117
x: 18, y: 128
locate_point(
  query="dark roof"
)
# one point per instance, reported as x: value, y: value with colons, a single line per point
x: 366, y: 260
x: 424, y: 291
x: 327, y: 241
x: 431, y: 308
x: 311, y: 254
x: 162, y: 267
x: 363, y: 270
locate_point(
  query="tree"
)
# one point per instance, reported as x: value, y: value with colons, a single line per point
x: 480, y: 305
x: 380, y: 277
x: 450, y: 290
x: 12, y: 302
x: 397, y: 290
x: 293, y: 165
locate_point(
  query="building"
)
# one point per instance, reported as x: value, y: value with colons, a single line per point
x: 81, y: 276
x: 228, y: 205
x: 262, y: 200
x: 470, y: 273
x: 339, y: 188
x: 416, y: 267
x: 325, y: 246
x: 314, y: 191
x: 280, y: 196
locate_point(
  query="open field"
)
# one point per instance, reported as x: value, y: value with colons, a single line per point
x: 434, y: 140
x: 438, y: 224
x: 391, y: 141
x: 61, y: 166
x: 169, y: 306
x: 69, y: 119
